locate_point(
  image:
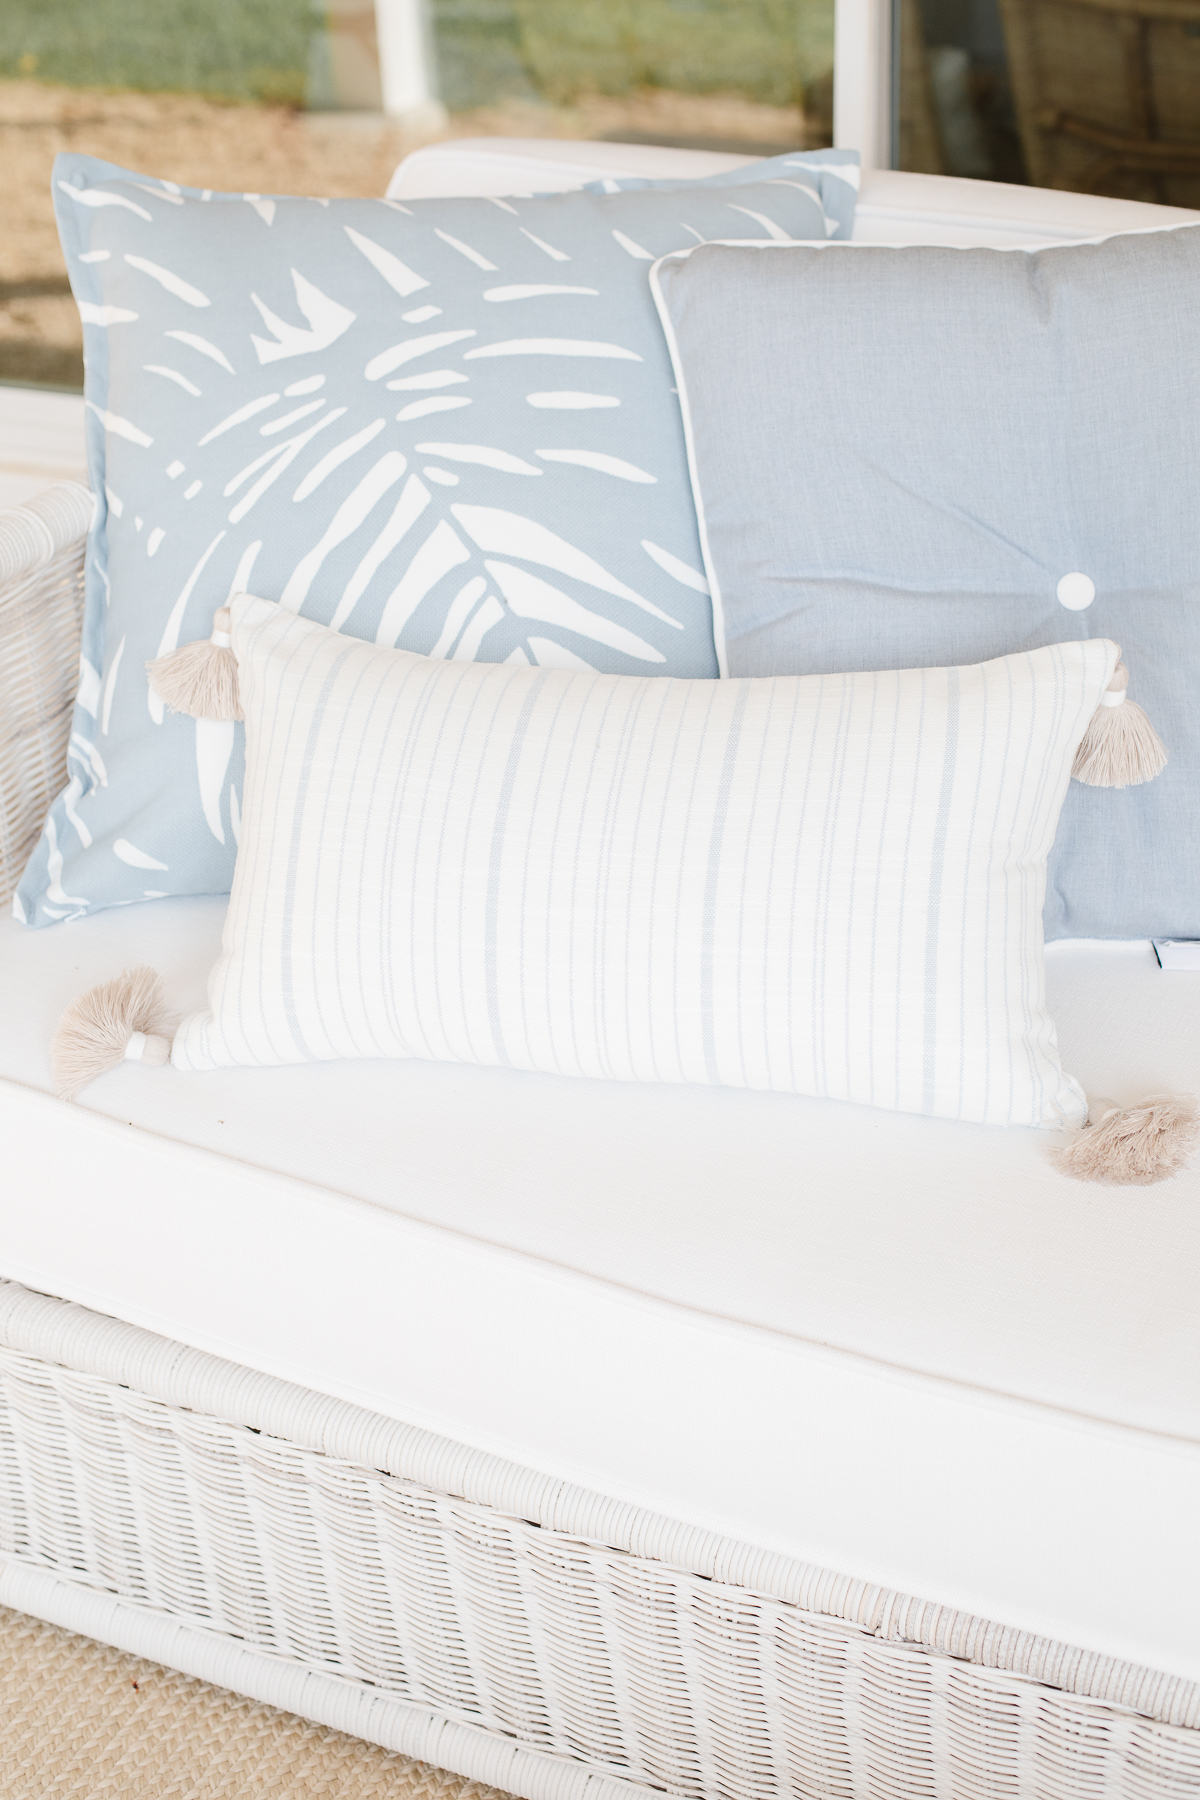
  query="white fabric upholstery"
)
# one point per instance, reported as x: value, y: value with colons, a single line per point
x: 887, y: 1345
x: 500, y: 166
x: 893, y: 207
x: 41, y: 440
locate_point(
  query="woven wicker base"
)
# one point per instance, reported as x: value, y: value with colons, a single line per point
x: 80, y: 1719
x: 476, y: 1616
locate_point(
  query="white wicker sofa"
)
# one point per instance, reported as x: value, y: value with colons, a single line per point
x: 719, y: 1444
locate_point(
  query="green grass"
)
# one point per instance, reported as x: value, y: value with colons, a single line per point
x: 229, y: 49
x: 489, y: 49
x: 765, y: 49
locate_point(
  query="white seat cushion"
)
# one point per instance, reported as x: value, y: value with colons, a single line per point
x: 897, y: 1347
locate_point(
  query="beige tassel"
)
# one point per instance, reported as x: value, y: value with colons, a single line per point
x: 201, y: 679
x: 125, y: 1020
x: 1132, y: 1146
x: 1120, y: 747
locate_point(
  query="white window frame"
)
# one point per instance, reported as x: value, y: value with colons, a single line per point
x: 862, y: 80
x: 862, y: 72
x: 407, y: 63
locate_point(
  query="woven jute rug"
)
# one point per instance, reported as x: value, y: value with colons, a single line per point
x: 77, y: 1718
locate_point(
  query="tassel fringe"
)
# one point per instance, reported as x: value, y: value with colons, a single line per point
x: 125, y: 1020
x: 201, y: 679
x: 1120, y: 747
x: 1132, y: 1146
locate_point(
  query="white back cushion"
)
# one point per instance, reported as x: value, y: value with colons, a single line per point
x: 894, y: 207
x: 500, y: 166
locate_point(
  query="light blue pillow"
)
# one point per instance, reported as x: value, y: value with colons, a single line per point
x: 449, y: 425
x: 929, y: 456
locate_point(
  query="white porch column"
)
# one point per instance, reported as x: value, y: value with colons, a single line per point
x: 862, y: 79
x: 407, y: 65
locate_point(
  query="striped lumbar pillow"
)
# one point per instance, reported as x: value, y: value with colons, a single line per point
x: 823, y: 885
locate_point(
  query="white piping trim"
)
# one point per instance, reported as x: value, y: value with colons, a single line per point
x: 710, y: 569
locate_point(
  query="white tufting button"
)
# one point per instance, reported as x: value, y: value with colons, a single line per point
x: 1075, y: 591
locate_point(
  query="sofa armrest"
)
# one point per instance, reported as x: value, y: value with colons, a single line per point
x: 42, y: 548
x: 469, y: 167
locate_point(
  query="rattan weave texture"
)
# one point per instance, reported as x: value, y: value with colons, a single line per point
x: 564, y: 1643
x: 42, y: 549
x: 78, y: 1718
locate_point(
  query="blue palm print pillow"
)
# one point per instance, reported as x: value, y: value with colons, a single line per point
x: 448, y: 425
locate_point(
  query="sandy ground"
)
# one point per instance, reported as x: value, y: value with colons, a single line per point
x: 264, y: 150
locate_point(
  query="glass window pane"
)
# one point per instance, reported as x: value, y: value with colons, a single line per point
x: 286, y: 96
x: 1097, y: 96
x: 749, y: 73
x: 235, y: 49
